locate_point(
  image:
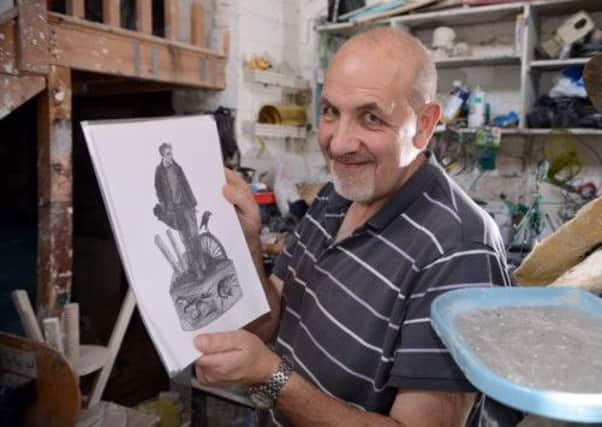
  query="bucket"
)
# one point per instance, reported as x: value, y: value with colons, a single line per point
x: 283, y: 114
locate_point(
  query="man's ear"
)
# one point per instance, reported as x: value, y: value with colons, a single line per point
x: 426, y: 122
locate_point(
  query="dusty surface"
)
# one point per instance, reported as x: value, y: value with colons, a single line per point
x: 546, y: 347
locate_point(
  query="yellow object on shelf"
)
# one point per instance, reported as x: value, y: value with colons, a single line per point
x: 283, y: 114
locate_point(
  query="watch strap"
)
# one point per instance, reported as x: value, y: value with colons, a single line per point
x: 276, y: 381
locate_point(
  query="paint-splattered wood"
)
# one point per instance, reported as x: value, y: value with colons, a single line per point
x: 197, y: 31
x: 57, y: 394
x: 32, y: 42
x: 15, y: 91
x: 75, y: 8
x: 95, y: 47
x: 170, y: 13
x: 144, y: 16
x: 54, y: 193
x: 8, y: 47
x: 110, y: 13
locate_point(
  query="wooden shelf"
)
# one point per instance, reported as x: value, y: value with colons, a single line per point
x: 280, y: 132
x: 564, y: 7
x: 458, y: 16
x: 90, y: 46
x: 273, y: 78
x: 534, y: 132
x: 556, y: 64
x: 471, y: 61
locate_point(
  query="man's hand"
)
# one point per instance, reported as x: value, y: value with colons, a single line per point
x: 237, y: 357
x: 236, y: 191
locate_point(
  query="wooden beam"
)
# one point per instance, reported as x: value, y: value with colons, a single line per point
x: 111, y: 13
x: 131, y: 86
x: 197, y: 31
x: 89, y: 46
x: 32, y: 42
x: 170, y: 11
x: 15, y: 91
x: 8, y: 48
x: 55, y: 202
x: 76, y: 8
x: 144, y: 16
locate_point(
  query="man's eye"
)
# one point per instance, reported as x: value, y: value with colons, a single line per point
x: 372, y: 119
x: 329, y: 111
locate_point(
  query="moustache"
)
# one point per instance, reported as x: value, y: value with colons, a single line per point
x: 351, y: 158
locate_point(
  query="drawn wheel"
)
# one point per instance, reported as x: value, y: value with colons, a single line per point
x: 212, y: 247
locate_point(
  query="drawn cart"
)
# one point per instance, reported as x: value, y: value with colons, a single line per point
x: 199, y: 301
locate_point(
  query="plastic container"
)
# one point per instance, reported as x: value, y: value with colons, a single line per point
x: 476, y: 114
x: 453, y: 106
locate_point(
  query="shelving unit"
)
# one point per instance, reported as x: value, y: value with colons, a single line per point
x: 291, y: 85
x: 556, y: 64
x: 280, y: 132
x: 273, y: 78
x: 475, y: 61
x: 533, y: 73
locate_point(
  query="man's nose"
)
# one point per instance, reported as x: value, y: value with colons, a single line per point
x: 344, y: 138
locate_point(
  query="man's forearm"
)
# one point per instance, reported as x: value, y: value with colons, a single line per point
x: 305, y: 405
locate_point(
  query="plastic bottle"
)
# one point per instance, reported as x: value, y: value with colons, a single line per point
x: 476, y: 115
x: 459, y: 95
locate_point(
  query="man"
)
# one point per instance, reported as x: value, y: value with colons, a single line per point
x: 178, y: 206
x: 350, y: 295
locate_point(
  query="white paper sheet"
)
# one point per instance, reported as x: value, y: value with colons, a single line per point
x: 212, y: 284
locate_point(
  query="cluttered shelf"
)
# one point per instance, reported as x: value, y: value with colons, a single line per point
x: 529, y: 131
x: 564, y: 7
x: 459, y: 16
x: 466, y: 15
x: 280, y: 131
x: 470, y: 61
x: 557, y: 64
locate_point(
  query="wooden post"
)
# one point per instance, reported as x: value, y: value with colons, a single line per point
x: 144, y: 16
x: 170, y: 10
x: 55, y: 202
x: 32, y: 42
x: 197, y: 35
x: 76, y: 8
x: 111, y: 13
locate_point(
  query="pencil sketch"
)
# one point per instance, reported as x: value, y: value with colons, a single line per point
x: 204, y: 284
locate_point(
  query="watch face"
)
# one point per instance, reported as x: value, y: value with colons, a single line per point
x: 261, y: 400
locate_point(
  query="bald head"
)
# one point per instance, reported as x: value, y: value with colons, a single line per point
x: 387, y: 47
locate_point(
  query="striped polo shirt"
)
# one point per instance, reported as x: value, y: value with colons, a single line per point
x: 356, y: 313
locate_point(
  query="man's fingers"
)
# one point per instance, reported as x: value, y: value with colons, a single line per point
x: 235, y: 179
x: 235, y: 196
x: 216, y: 343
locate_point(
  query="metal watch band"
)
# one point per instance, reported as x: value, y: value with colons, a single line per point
x: 275, y: 383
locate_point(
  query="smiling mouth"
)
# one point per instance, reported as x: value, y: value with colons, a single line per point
x: 340, y: 164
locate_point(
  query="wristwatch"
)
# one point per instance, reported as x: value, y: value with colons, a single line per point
x: 264, y: 395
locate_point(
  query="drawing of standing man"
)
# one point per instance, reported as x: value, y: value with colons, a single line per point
x: 177, y: 206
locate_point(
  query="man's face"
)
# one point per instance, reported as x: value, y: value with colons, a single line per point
x: 366, y: 125
x: 167, y: 156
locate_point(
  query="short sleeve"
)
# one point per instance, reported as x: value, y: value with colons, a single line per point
x: 421, y: 360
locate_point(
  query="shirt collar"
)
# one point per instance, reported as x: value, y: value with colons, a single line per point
x: 407, y: 194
